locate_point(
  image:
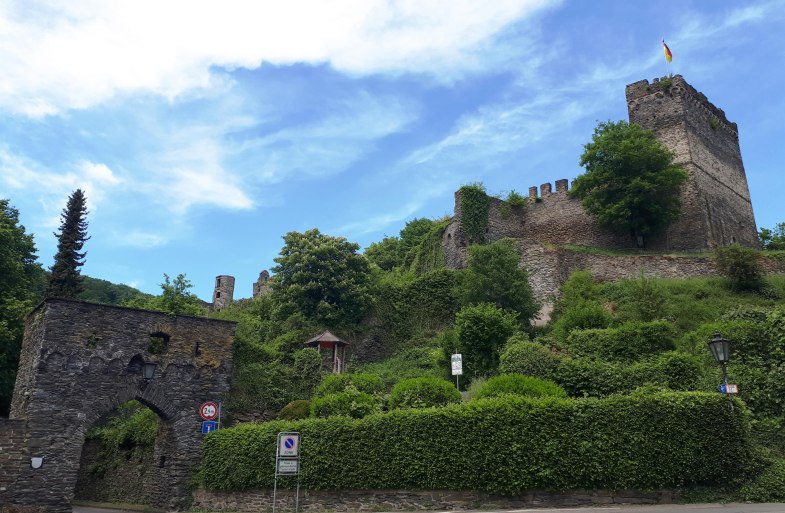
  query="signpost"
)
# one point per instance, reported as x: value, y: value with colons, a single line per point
x: 287, y: 462
x: 209, y: 411
x: 208, y: 426
x: 211, y: 416
x: 457, y: 367
x: 729, y: 388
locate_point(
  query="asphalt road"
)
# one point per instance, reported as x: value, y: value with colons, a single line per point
x: 670, y: 508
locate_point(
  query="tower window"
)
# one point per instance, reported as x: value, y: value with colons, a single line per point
x: 217, y: 294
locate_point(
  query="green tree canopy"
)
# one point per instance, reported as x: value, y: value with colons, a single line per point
x: 494, y: 276
x: 482, y: 331
x: 773, y: 238
x: 631, y: 184
x: 66, y: 280
x: 321, y: 277
x: 400, y: 252
x: 20, y: 283
x: 175, y: 298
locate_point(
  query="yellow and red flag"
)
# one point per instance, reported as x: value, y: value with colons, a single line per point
x: 668, y: 54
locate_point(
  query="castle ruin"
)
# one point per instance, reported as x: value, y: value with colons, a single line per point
x: 716, y: 209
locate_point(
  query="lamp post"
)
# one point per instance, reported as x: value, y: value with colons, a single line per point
x: 720, y: 350
x: 148, y: 370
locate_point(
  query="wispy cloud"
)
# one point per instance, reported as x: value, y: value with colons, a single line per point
x: 81, y: 53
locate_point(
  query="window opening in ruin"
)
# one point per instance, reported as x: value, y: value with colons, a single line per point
x: 135, y: 365
x: 197, y: 351
x: 159, y: 343
x: 217, y: 295
x: 162, y: 461
x: 218, y: 282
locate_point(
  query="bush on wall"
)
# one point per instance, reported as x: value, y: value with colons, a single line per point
x: 547, y: 443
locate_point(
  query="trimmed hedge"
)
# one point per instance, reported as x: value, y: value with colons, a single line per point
x: 630, y: 341
x: 350, y: 403
x: 529, y: 358
x: 295, y: 410
x: 423, y: 393
x: 504, y: 445
x: 518, y: 384
x: 335, y: 383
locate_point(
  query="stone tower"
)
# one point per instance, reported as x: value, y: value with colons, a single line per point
x: 261, y: 287
x: 224, y: 291
x: 716, y: 206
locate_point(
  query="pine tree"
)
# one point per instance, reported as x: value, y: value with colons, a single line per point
x: 65, y: 280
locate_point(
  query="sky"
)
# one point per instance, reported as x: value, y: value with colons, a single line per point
x: 202, y: 132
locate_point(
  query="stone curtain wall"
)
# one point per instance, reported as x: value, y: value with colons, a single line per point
x: 260, y: 501
x: 123, y: 482
x: 81, y: 360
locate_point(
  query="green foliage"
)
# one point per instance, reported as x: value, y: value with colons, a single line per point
x: 515, y: 199
x: 175, y: 298
x: 482, y: 330
x: 385, y: 254
x: 578, y: 289
x: 494, y: 276
x: 666, y: 83
x: 415, y: 243
x: 349, y: 403
x: 631, y: 184
x: 741, y: 265
x: 518, y: 384
x: 628, y: 342
x: 65, y: 279
x: 769, y: 486
x: 295, y: 410
x: 584, y: 377
x: 131, y: 426
x: 644, y: 300
x: 321, y: 277
x: 475, y: 205
x: 411, y: 363
x: 428, y: 254
x: 336, y: 383
x: 423, y: 393
x: 529, y: 358
x: 552, y: 444
x: 773, y: 239
x: 582, y: 316
x: 106, y: 292
x: 20, y: 282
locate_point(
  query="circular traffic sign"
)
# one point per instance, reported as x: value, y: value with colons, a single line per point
x: 209, y: 411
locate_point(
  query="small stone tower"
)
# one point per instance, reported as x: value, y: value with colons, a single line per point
x: 260, y: 288
x: 716, y: 206
x: 224, y: 291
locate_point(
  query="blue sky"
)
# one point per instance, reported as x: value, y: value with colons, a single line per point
x: 203, y: 134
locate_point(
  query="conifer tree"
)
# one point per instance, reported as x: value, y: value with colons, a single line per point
x: 66, y: 280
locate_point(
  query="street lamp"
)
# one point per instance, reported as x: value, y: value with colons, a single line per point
x: 148, y: 370
x: 720, y: 350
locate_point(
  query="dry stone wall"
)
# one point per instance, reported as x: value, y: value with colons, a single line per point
x: 260, y: 501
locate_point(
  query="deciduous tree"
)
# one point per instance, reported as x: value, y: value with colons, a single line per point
x: 631, y: 184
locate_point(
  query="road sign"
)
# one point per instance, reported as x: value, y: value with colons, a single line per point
x: 288, y: 466
x: 457, y: 365
x: 729, y: 389
x: 209, y: 426
x: 209, y: 411
x: 288, y: 445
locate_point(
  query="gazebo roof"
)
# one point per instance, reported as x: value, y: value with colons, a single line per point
x: 325, y: 336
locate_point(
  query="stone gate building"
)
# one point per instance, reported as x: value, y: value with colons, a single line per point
x: 79, y: 362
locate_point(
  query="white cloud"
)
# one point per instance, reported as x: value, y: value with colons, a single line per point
x: 140, y: 239
x: 70, y: 55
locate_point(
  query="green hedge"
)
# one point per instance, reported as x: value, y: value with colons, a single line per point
x: 504, y: 445
x: 518, y: 384
x: 630, y: 341
x: 529, y: 358
x: 336, y: 383
x: 423, y: 393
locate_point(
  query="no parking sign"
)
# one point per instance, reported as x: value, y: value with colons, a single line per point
x: 288, y: 445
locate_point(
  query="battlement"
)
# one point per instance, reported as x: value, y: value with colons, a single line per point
x: 643, y: 90
x: 562, y: 187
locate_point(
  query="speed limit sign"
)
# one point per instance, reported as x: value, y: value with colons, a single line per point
x: 209, y: 411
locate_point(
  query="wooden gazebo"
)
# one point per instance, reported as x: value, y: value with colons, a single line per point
x: 332, y: 349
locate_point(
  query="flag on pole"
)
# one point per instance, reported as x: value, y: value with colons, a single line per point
x: 668, y: 54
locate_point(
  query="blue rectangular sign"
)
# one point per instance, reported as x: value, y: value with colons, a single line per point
x: 208, y: 426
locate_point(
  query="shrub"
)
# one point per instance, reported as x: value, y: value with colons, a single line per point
x: 416, y: 362
x: 543, y: 443
x: 529, y: 358
x: 482, y: 330
x: 350, y: 403
x: 475, y: 204
x: 741, y: 265
x: 335, y: 383
x: 423, y: 393
x: 295, y: 410
x: 630, y: 341
x: 769, y: 486
x: 518, y: 384
x: 581, y: 316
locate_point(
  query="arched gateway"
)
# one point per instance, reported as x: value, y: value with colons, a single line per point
x: 80, y: 361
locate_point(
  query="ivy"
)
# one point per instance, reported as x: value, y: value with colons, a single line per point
x: 475, y: 205
x: 429, y: 254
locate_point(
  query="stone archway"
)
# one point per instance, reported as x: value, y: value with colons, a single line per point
x: 80, y: 361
